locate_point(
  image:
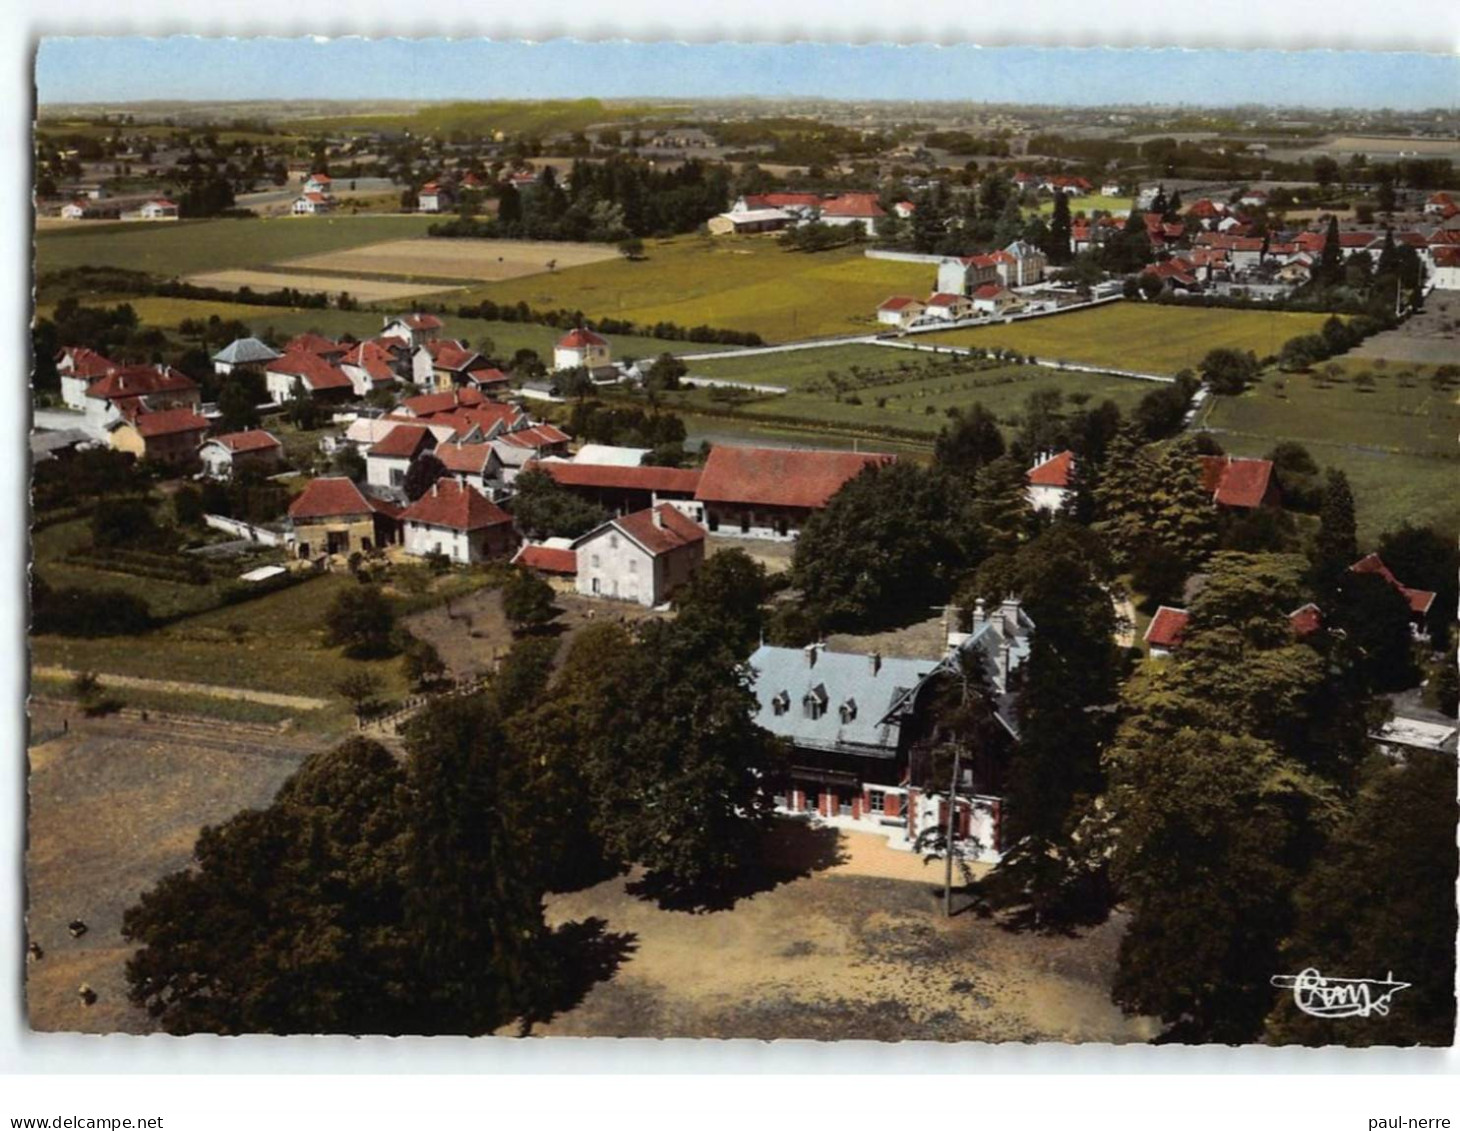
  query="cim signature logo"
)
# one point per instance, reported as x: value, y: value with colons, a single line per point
x: 1318, y: 996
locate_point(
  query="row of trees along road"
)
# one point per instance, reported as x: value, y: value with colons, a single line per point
x: 373, y: 896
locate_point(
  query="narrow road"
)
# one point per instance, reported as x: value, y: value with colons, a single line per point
x: 269, y: 698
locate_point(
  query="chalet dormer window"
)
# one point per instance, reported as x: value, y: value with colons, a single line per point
x: 848, y: 710
x: 814, y: 705
x: 781, y: 703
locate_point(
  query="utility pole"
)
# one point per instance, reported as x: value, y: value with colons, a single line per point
x: 948, y: 836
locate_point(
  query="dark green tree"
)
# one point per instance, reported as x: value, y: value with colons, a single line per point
x: 527, y: 601
x: 1058, y: 248
x: 726, y: 597
x: 967, y: 442
x: 1336, y: 545
x: 361, y: 620
x: 543, y: 509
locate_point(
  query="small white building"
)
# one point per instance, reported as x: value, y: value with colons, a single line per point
x: 1051, y: 481
x: 1446, y: 275
x: 160, y: 209
x: 641, y: 557
x: 899, y: 310
x: 948, y: 307
x: 313, y: 204
x: 390, y: 457
x: 433, y: 198
x: 252, y: 449
x: 414, y: 329
x: 581, y: 349
x: 244, y: 352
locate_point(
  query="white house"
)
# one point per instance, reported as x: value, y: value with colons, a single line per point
x: 252, y: 449
x: 948, y: 307
x: 73, y: 210
x: 899, y: 310
x: 750, y: 221
x: 390, y: 457
x: 79, y: 368
x: 159, y: 209
x: 994, y: 299
x: 641, y: 557
x: 433, y: 198
x: 966, y: 274
x: 303, y: 372
x: 321, y: 183
x: 1447, y: 268
x: 312, y: 204
x: 581, y: 348
x: 475, y: 464
x: 413, y: 329
x: 1051, y: 481
x: 458, y: 521
x: 369, y: 366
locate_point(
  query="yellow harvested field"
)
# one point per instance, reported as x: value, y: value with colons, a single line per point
x: 365, y: 290
x: 487, y: 261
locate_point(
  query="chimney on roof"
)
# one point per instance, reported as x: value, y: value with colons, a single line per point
x: 1009, y: 614
x: 876, y: 662
x: 658, y: 518
x: 980, y: 614
x: 812, y: 650
x: 1004, y: 665
x: 436, y: 489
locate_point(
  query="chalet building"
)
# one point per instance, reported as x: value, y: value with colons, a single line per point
x: 458, y: 521
x: 1051, y: 481
x: 333, y: 516
x: 1240, y: 484
x: 581, y: 349
x: 250, y: 450
x: 641, y: 557
x: 313, y: 204
x: 244, y: 353
x: 625, y: 490
x: 857, y: 726
x: 769, y: 493
x: 994, y: 299
x: 170, y: 435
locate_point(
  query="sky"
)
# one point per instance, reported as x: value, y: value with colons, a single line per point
x: 191, y: 68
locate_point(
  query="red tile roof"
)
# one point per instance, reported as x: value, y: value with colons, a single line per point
x: 468, y: 459
x: 1053, y: 472
x: 1167, y: 627
x: 1236, y: 482
x: 402, y: 442
x: 990, y: 290
x: 538, y: 436
x: 374, y: 359
x: 87, y: 362
x: 943, y: 298
x: 457, y: 506
x: 420, y: 321
x: 313, y: 343
x: 1419, y: 600
x: 679, y: 480
x: 782, y: 477
x: 330, y: 497
x: 1447, y: 256
x: 139, y: 380
x: 579, y: 338
x: 1306, y: 619
x: 782, y: 200
x: 312, y: 369
x: 169, y: 422
x: 432, y: 404
x: 446, y: 354
x: 486, y: 375
x: 898, y: 302
x: 252, y: 440
x: 672, y: 531
x: 547, y: 559
x: 853, y: 205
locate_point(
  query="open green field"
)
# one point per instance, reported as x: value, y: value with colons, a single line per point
x: 914, y: 400
x: 1089, y: 205
x: 1138, y: 336
x: 747, y: 283
x: 1396, y: 443
x: 193, y: 246
x: 485, y: 118
x: 801, y: 367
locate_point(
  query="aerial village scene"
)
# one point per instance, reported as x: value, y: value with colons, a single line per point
x: 804, y: 568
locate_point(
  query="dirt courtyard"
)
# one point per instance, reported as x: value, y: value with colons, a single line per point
x: 116, y: 804
x: 843, y: 952
x: 488, y: 261
x: 1431, y: 337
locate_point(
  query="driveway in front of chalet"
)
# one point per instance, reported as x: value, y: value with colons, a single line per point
x: 854, y: 947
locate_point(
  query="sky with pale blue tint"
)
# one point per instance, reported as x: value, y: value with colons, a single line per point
x: 133, y: 69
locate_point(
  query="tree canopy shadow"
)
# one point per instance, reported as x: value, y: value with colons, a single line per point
x: 584, y: 954
x: 790, y: 849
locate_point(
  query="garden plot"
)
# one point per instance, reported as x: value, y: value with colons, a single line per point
x: 476, y: 260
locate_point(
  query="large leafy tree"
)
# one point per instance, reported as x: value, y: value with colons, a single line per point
x: 1381, y: 898
x: 681, y: 786
x: 1423, y: 558
x: 291, y: 918
x: 882, y: 544
x: 726, y: 597
x: 543, y: 509
x: 967, y: 442
x: 1336, y: 545
x: 361, y: 620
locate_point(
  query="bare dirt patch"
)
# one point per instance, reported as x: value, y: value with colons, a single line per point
x: 1431, y: 337
x: 839, y: 956
x: 486, y: 260
x: 115, y: 805
x: 365, y: 290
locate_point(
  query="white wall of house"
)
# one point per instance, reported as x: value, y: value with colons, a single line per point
x: 1043, y: 498
x: 460, y: 546
x: 280, y: 386
x: 73, y: 392
x: 589, y: 357
x: 611, y: 565
x: 217, y: 461
x: 952, y: 277
x: 383, y: 471
x: 1447, y: 278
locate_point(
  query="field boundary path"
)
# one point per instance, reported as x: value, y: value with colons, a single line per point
x: 268, y: 698
x: 784, y: 347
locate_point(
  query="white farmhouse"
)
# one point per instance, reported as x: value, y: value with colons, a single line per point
x: 641, y: 557
x: 580, y: 348
x: 1051, y: 481
x: 458, y: 521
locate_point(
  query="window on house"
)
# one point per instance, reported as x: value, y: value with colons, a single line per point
x: 633, y: 566
x: 849, y: 710
x: 781, y: 703
x: 877, y: 801
x: 613, y: 541
x: 594, y: 558
x: 814, y: 707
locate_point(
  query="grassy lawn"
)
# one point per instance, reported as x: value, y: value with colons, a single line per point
x: 802, y: 367
x: 1088, y: 205
x: 1137, y: 336
x: 177, y: 702
x: 191, y: 246
x: 1396, y: 443
x: 740, y: 284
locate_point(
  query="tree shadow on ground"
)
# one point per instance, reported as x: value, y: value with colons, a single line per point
x: 584, y: 954
x: 1074, y: 909
x: 790, y: 849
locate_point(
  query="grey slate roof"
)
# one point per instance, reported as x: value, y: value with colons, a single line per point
x: 839, y: 679
x: 246, y: 351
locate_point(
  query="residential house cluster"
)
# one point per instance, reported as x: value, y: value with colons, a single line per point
x: 316, y: 196
x: 970, y: 286
x: 774, y: 211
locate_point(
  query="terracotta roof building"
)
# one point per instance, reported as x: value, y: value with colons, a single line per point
x: 455, y: 519
x: 641, y: 557
x: 770, y: 492
x: 1240, y: 483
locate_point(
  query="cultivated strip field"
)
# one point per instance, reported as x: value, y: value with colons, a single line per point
x: 485, y: 260
x: 365, y: 290
x: 1138, y: 336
